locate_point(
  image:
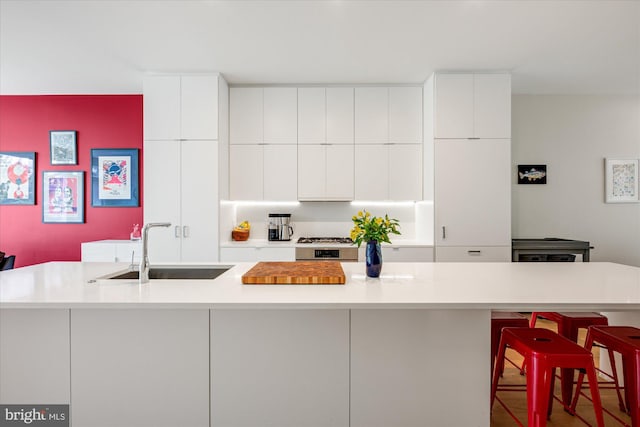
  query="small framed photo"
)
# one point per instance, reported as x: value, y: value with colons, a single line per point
x: 63, y: 197
x: 621, y: 180
x: 114, y: 177
x: 17, y: 178
x: 532, y: 174
x: 63, y: 147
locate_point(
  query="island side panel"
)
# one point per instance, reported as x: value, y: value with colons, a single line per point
x: 420, y: 368
x: 140, y: 367
x: 34, y: 356
x: 286, y: 368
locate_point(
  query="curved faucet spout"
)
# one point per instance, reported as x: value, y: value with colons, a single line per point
x: 143, y: 272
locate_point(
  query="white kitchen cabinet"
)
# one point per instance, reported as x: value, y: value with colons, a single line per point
x: 263, y: 172
x: 280, y: 115
x: 185, y: 194
x: 158, y: 359
x: 472, y: 105
x: 325, y: 172
x: 180, y: 107
x: 401, y: 253
x: 388, y: 172
x: 473, y: 253
x: 340, y: 115
x: 111, y: 251
x: 181, y: 166
x: 255, y: 254
x: 325, y: 115
x: 34, y: 357
x: 405, y: 115
x: 371, y: 115
x: 472, y: 193
x: 252, y: 351
x: 246, y: 115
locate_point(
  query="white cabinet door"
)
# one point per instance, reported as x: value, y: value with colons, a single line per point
x: 246, y: 172
x: 199, y: 107
x: 280, y: 172
x: 246, y: 117
x: 158, y: 359
x: 280, y: 115
x: 405, y: 172
x: 408, y: 254
x: 472, y: 192
x: 454, y: 106
x: 492, y: 105
x: 312, y: 114
x: 252, y: 351
x: 371, y: 115
x: 161, y: 103
x: 312, y: 172
x: 199, y: 212
x: 275, y: 254
x: 473, y: 254
x: 128, y: 251
x: 340, y: 121
x: 97, y: 252
x: 339, y: 172
x: 405, y: 115
x: 371, y: 172
x: 162, y: 198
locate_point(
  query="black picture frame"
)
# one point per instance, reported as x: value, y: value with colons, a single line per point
x: 114, y: 177
x: 17, y: 178
x: 532, y: 174
x: 63, y: 147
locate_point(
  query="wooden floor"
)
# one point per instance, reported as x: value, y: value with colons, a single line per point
x: 517, y: 401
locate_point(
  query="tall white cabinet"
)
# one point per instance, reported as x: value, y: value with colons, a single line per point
x: 263, y: 143
x: 471, y: 139
x: 388, y: 143
x: 185, y: 164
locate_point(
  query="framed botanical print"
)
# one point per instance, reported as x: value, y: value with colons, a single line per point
x: 17, y: 178
x: 63, y: 147
x: 621, y: 180
x: 114, y: 177
x: 63, y: 197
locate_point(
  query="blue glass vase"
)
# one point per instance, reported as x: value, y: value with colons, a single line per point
x: 373, y: 256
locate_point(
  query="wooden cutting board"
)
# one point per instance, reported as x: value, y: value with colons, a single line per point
x: 295, y: 273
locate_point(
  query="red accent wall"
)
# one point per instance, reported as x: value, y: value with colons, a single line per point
x: 101, y: 121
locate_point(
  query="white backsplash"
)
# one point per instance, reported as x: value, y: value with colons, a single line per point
x: 328, y: 219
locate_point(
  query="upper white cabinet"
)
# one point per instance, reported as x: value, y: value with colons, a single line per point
x: 246, y: 106
x: 388, y: 115
x: 185, y: 150
x: 473, y: 105
x: 280, y: 115
x: 180, y: 107
x: 325, y: 115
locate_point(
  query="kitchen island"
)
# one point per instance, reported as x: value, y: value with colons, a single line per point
x: 408, y: 349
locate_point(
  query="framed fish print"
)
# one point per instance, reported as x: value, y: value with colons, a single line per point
x: 532, y: 174
x: 114, y: 177
x: 63, y: 147
x: 63, y: 197
x: 17, y: 178
x: 621, y: 180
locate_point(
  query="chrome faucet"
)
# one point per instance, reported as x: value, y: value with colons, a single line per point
x: 143, y: 274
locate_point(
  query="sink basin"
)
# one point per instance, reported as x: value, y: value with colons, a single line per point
x: 173, y: 273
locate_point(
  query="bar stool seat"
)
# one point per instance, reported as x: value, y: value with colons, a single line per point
x: 626, y: 341
x: 503, y: 319
x: 544, y: 351
x: 569, y: 323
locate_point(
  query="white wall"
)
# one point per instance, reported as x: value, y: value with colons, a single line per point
x: 572, y: 135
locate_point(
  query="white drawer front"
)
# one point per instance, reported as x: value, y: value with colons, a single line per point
x: 473, y: 254
x: 238, y: 255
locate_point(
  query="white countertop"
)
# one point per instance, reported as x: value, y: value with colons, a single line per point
x: 512, y: 286
x: 261, y: 243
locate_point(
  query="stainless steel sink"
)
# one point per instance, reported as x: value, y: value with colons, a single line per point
x: 172, y: 273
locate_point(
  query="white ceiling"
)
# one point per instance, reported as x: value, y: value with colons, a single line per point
x: 550, y: 46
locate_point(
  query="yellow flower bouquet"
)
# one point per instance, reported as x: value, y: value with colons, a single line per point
x: 367, y: 228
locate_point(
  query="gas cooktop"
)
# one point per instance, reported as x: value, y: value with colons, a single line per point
x: 325, y: 240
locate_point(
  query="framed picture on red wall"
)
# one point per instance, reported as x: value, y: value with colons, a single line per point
x: 17, y: 178
x: 63, y: 197
x: 114, y: 177
x: 63, y: 147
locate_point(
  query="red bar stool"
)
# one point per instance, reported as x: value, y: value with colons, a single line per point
x: 626, y: 341
x: 568, y: 325
x: 544, y: 351
x: 503, y: 319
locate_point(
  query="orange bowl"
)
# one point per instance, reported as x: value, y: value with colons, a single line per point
x: 239, y: 236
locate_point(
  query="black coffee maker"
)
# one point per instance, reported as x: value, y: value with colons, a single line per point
x: 280, y: 228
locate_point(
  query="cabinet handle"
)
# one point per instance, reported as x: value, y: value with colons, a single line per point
x: 177, y: 231
x: 474, y: 252
x: 185, y: 231
x: 474, y: 137
x: 444, y: 232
